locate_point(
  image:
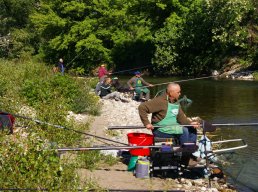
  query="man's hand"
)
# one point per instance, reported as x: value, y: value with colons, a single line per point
x: 131, y: 88
x: 195, y: 124
x: 149, y: 126
x: 150, y: 85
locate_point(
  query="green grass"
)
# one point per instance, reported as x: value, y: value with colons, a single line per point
x: 29, y: 158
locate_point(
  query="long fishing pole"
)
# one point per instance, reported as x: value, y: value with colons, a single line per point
x: 131, y: 69
x: 214, y: 124
x: 143, y: 127
x: 179, y: 81
x: 108, y: 148
x: 62, y: 127
x: 185, y: 148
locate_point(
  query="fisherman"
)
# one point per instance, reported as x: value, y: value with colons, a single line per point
x: 102, y: 72
x: 136, y: 83
x: 118, y: 86
x: 166, y: 111
x: 105, y: 91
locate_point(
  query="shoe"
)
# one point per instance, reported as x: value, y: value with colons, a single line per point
x: 199, y: 160
x: 192, y: 162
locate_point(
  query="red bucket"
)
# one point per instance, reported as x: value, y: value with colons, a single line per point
x: 140, y: 139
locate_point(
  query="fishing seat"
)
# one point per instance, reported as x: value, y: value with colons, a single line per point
x: 171, y: 157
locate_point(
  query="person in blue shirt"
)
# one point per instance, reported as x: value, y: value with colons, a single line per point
x: 61, y: 66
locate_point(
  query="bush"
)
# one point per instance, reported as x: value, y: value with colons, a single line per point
x: 255, y: 74
x: 29, y: 162
x: 93, y: 159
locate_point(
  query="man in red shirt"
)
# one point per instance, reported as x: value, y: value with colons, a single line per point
x: 102, y: 72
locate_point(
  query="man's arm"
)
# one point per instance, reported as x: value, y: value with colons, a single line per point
x: 148, y: 107
x: 182, y: 118
x: 146, y: 83
x: 129, y: 83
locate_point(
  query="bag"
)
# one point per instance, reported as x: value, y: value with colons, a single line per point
x: 6, y: 122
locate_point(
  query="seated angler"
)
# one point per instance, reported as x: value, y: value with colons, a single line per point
x: 136, y: 83
x: 105, y: 92
x: 167, y: 115
x: 118, y: 86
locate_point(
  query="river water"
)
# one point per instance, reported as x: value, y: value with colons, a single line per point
x: 225, y: 101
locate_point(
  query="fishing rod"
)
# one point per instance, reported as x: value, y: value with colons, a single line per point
x: 131, y: 69
x: 179, y: 81
x: 77, y: 56
x: 143, y: 127
x: 66, y: 128
x: 187, y: 147
x: 107, y: 148
x: 207, y: 124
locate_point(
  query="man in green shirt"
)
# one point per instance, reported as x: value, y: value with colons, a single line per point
x: 136, y: 83
x: 167, y: 114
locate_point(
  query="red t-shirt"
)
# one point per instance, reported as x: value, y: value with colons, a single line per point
x: 102, y: 71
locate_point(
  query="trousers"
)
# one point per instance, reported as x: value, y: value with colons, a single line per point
x: 189, y: 135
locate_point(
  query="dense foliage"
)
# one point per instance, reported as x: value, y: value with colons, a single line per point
x: 175, y: 36
x: 28, y: 158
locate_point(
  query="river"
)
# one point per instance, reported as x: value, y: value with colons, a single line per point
x: 225, y: 101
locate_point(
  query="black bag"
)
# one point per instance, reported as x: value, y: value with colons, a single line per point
x: 6, y: 122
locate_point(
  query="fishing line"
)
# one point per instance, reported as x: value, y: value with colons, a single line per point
x: 179, y: 81
x: 131, y: 69
x: 77, y: 56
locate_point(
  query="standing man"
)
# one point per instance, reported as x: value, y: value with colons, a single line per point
x: 102, y: 72
x: 168, y: 115
x: 61, y: 66
x: 137, y: 82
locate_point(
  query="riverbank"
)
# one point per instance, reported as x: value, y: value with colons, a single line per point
x: 117, y: 177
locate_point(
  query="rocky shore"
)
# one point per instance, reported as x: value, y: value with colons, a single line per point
x: 116, y: 113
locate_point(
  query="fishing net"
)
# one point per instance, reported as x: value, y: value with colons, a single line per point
x: 241, y: 170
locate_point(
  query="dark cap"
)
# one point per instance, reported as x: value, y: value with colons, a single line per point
x: 137, y: 72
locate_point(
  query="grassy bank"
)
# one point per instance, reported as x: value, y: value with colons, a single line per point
x: 28, y: 158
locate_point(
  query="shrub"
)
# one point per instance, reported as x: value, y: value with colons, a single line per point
x: 255, y: 74
x: 29, y: 162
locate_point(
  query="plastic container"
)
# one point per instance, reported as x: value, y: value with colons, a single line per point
x: 132, y: 163
x: 142, y: 168
x: 140, y: 139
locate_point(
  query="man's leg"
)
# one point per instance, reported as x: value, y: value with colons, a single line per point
x: 192, y: 135
x: 157, y: 133
x: 147, y: 96
x: 141, y: 96
x: 109, y: 96
x: 184, y: 137
x: 189, y: 135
